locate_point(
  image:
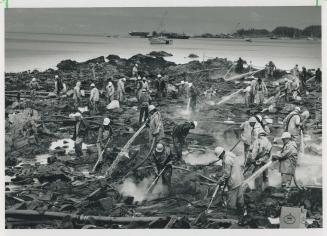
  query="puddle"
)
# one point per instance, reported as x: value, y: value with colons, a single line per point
x: 199, y: 157
x: 67, y: 144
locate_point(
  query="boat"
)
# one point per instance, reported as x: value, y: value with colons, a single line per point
x: 248, y: 40
x: 139, y: 34
x: 273, y: 37
x: 160, y: 40
x: 174, y: 35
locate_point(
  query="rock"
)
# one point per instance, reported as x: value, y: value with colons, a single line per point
x: 106, y: 203
x: 67, y: 65
x: 193, y: 55
x: 112, y: 57
x: 160, y: 54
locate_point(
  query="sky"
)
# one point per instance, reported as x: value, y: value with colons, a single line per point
x: 105, y: 21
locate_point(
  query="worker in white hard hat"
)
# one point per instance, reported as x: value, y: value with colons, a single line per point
x: 144, y: 102
x: 259, y: 154
x: 194, y: 93
x: 287, y: 159
x: 121, y: 89
x: 77, y: 96
x: 94, y: 98
x: 156, y: 128
x: 34, y: 86
x: 80, y: 133
x: 260, y: 91
x: 139, y: 86
x: 232, y: 177
x: 104, y: 136
x: 60, y: 86
x: 110, y: 92
x: 145, y: 84
x: 180, y: 131
x: 293, y: 124
x: 247, y: 96
x: 162, y: 164
x: 135, y: 70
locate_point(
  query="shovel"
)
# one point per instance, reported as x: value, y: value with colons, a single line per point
x: 153, y: 184
x: 101, y: 154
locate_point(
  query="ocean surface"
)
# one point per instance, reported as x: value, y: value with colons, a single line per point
x: 24, y: 51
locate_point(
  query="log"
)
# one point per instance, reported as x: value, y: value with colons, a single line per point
x: 205, y: 177
x: 124, y: 152
x: 26, y: 214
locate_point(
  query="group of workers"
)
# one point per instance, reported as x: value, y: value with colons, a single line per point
x: 255, y: 131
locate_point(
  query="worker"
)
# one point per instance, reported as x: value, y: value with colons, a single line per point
x: 135, y: 70
x: 138, y: 87
x: 270, y: 69
x: 162, y: 164
x: 110, y: 92
x: 179, y: 134
x: 295, y: 86
x: 276, y: 92
x: 287, y: 159
x: 232, y: 177
x: 80, y: 133
x: 295, y: 71
x: 247, y: 96
x: 303, y: 78
x: 304, y: 117
x: 259, y: 155
x: 156, y: 128
x: 77, y: 96
x: 292, y: 124
x: 144, y: 102
x: 252, y: 85
x: 194, y: 92
x: 163, y: 87
x: 60, y: 86
x: 121, y: 89
x: 250, y: 66
x: 34, y: 86
x: 318, y: 75
x: 181, y: 89
x: 260, y: 91
x: 94, y: 98
x: 288, y: 89
x: 239, y: 66
x: 157, y: 85
x: 145, y: 84
x: 261, y: 125
x: 104, y: 135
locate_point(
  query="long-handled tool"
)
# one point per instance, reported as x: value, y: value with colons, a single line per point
x: 100, y: 156
x: 213, y: 196
x: 235, y: 145
x: 153, y: 184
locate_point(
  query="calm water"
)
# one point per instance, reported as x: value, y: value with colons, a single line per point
x: 41, y: 51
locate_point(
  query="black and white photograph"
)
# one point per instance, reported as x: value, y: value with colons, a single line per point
x: 163, y: 118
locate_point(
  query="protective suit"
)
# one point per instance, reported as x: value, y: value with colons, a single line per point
x: 77, y: 96
x: 260, y: 154
x: 94, y: 99
x: 260, y: 91
x: 179, y: 135
x: 156, y: 128
x: 193, y: 92
x: 233, y: 176
x: 110, y: 92
x: 292, y: 124
x: 104, y: 134
x: 120, y: 90
x: 144, y: 102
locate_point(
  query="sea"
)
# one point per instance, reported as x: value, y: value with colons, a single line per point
x: 29, y: 51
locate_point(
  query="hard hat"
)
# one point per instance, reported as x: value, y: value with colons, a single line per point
x: 78, y: 83
x: 144, y: 90
x: 259, y: 117
x: 190, y: 84
x: 182, y: 82
x: 305, y: 114
x: 33, y: 79
x: 219, y: 151
x: 139, y: 78
x: 136, y: 64
x: 123, y: 79
x: 92, y: 85
x: 159, y: 76
x: 159, y: 147
x: 252, y: 119
x: 286, y: 135
x: 151, y: 107
x: 78, y: 114
x: 247, y: 89
x: 195, y: 123
x: 106, y: 121
x: 56, y: 76
x: 110, y: 84
x: 297, y: 109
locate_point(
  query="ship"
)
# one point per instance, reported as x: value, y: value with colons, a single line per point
x: 139, y: 34
x: 175, y: 35
x: 160, y: 40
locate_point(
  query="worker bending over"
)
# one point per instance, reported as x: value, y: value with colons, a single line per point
x: 110, y: 92
x: 293, y: 125
x: 179, y: 135
x: 156, y: 128
x: 144, y: 102
x: 80, y: 133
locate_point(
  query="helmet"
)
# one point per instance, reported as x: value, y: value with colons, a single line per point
x: 159, y: 147
x: 159, y: 76
x: 286, y: 135
x: 56, y: 76
x: 259, y: 117
x: 182, y: 82
x: 106, y: 121
x: 136, y: 64
x: 219, y: 151
x: 139, y: 78
x: 305, y: 114
x: 33, y: 79
x: 252, y: 119
x: 151, y: 108
x: 110, y: 84
x: 123, y: 79
x: 195, y: 123
x: 78, y: 114
x: 190, y: 84
x: 144, y: 90
x: 92, y: 85
x: 78, y: 83
x: 298, y: 109
x: 247, y: 89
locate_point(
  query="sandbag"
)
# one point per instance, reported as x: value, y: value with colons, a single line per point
x: 112, y: 105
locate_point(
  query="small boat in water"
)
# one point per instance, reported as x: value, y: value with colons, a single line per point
x: 248, y: 40
x: 160, y: 40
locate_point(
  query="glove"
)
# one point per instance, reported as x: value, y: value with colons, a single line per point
x: 221, y: 181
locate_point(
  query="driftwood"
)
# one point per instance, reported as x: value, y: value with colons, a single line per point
x: 98, y: 219
x: 244, y: 75
x: 202, y: 176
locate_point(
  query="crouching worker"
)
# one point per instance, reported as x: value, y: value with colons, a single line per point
x: 287, y: 160
x: 162, y: 163
x: 179, y: 135
x: 232, y: 177
x: 80, y: 133
x: 156, y: 128
x: 104, y: 136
